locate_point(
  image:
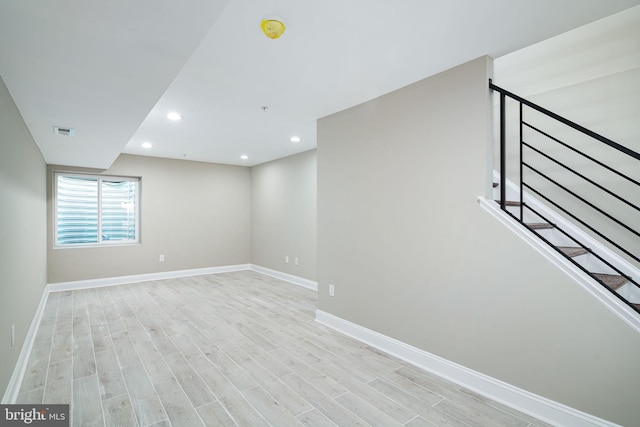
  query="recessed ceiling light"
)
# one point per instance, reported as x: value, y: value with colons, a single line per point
x: 244, y: 157
x: 174, y: 116
x: 295, y: 139
x: 146, y: 145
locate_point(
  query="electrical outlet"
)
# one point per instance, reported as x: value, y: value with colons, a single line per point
x: 161, y: 258
x: 332, y: 290
x: 297, y: 262
x: 286, y: 259
x: 13, y: 335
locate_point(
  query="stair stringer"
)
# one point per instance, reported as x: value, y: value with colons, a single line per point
x: 613, y: 303
x: 617, y: 306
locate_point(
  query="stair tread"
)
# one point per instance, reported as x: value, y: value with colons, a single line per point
x: 539, y: 225
x: 572, y: 251
x: 613, y: 281
x: 509, y: 202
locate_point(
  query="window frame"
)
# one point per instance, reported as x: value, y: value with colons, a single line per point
x: 99, y: 179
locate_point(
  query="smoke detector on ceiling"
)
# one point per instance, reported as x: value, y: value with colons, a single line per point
x: 272, y: 27
x: 58, y: 130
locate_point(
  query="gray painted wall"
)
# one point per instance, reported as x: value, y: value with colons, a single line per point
x: 590, y: 75
x: 414, y: 257
x: 196, y: 214
x: 22, y: 231
x: 283, y: 214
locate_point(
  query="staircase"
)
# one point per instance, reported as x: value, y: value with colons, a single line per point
x: 572, y: 205
x: 621, y: 284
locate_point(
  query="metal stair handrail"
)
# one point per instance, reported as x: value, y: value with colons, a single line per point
x: 526, y: 168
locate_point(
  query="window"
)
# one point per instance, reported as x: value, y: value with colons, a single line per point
x: 96, y: 210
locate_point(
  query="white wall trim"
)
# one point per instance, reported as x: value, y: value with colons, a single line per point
x: 619, y: 308
x: 296, y: 280
x: 537, y: 406
x: 123, y: 280
x: 13, y: 388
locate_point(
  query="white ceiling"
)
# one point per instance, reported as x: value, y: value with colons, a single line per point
x: 113, y: 69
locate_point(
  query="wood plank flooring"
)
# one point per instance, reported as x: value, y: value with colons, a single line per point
x: 233, y: 349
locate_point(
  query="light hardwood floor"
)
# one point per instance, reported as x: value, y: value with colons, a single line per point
x: 229, y: 349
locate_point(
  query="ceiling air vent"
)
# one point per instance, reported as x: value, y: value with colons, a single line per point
x: 63, y: 131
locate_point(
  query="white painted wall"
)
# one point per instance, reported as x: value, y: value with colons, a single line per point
x: 413, y: 256
x: 196, y: 214
x: 23, y: 266
x: 283, y: 215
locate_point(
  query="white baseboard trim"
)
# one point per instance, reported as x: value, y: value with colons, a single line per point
x: 537, y: 406
x: 13, y: 388
x: 123, y: 280
x: 296, y: 280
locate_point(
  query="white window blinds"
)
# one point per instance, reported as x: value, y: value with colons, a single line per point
x: 92, y: 210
